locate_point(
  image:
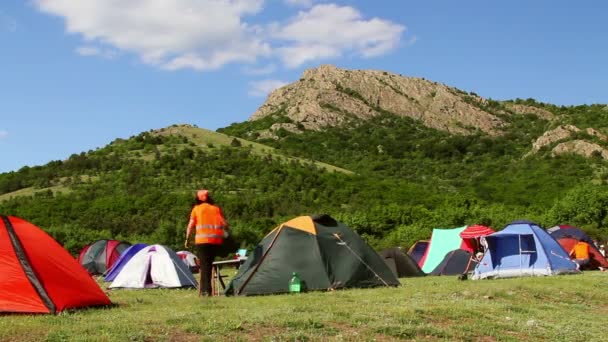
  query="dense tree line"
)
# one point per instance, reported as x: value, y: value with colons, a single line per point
x: 407, y: 180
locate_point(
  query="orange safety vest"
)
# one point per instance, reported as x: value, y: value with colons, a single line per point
x: 581, y: 250
x: 210, y: 223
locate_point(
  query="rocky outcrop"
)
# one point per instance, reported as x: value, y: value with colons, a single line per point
x: 562, y: 133
x: 554, y: 135
x: 328, y: 96
x: 581, y: 147
x: 567, y: 143
x: 523, y: 109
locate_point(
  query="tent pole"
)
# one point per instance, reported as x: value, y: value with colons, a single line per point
x: 363, y: 262
x: 520, y: 260
x: 238, y: 291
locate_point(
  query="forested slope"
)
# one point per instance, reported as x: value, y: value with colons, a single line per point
x: 389, y: 177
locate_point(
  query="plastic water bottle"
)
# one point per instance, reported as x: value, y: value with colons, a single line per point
x: 295, y: 284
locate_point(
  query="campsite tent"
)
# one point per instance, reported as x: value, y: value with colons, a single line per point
x: 442, y: 242
x: 523, y: 248
x: 475, y: 231
x: 325, y: 253
x: 455, y: 262
x: 37, y: 275
x: 190, y: 260
x: 561, y: 226
x: 569, y: 231
x: 122, y: 260
x: 471, y: 237
x: 99, y: 256
x: 154, y: 266
x: 418, y: 250
x: 401, y: 264
x: 596, y: 259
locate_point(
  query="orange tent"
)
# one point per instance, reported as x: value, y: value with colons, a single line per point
x: 37, y: 275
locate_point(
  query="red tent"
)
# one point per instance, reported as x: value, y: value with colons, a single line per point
x: 476, y: 231
x: 471, y: 235
x: 37, y: 275
x: 596, y: 258
x: 418, y: 251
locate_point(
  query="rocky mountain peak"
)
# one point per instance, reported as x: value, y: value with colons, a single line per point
x: 328, y: 95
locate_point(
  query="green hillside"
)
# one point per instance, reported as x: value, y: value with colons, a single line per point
x: 390, y: 178
x: 470, y: 171
x: 207, y: 139
x: 141, y: 188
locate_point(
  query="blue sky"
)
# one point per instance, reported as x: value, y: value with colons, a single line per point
x: 75, y: 75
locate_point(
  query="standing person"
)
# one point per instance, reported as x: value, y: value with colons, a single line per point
x: 580, y: 253
x: 207, y: 220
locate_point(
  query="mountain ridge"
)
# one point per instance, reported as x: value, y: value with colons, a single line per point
x: 328, y: 95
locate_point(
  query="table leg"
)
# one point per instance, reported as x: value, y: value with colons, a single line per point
x: 213, y: 285
x: 200, y: 283
x: 219, y: 277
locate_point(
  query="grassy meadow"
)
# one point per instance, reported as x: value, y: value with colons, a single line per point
x: 205, y: 138
x: 565, y: 308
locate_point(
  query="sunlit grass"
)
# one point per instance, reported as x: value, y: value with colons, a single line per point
x: 432, y: 308
x: 30, y: 191
x: 206, y: 138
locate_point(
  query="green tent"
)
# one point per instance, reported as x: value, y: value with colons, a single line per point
x: 325, y: 254
x: 442, y: 242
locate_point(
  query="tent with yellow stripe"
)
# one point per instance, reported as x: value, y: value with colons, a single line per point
x: 325, y: 254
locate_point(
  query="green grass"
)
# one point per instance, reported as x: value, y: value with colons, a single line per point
x: 59, y: 187
x: 204, y: 138
x: 30, y: 191
x: 561, y: 308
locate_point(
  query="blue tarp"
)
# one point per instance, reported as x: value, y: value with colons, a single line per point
x: 523, y: 248
x: 124, y: 257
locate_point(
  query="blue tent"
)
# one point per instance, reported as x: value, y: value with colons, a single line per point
x: 121, y: 262
x: 523, y: 248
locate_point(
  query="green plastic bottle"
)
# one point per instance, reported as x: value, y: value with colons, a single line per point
x: 295, y: 284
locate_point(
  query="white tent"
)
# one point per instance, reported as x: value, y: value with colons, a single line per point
x: 154, y: 266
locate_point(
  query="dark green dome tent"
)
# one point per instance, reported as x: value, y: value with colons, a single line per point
x: 456, y: 262
x: 325, y: 254
x: 401, y: 264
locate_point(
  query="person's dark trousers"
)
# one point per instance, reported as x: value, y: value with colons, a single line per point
x: 206, y: 253
x: 582, y: 263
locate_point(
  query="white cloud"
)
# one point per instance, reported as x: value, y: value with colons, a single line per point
x: 262, y: 70
x: 3, y: 134
x: 198, y: 34
x: 264, y: 87
x: 296, y: 55
x: 7, y: 23
x: 411, y: 41
x: 330, y: 30
x: 88, y: 51
x: 209, y: 34
x: 95, y: 51
x: 300, y: 3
